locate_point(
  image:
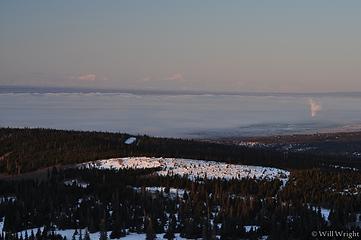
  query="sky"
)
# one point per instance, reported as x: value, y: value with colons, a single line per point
x: 233, y: 45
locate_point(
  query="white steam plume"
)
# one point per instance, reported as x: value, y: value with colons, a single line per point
x: 315, y: 107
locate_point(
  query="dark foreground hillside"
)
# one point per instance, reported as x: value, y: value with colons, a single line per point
x: 93, y: 203
x: 114, y: 204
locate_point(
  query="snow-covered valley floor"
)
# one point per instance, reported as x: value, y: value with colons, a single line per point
x: 191, y: 168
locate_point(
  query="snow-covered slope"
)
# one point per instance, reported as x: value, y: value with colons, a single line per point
x: 191, y: 168
x: 68, y: 233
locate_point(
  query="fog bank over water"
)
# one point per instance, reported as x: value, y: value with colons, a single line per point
x: 170, y: 114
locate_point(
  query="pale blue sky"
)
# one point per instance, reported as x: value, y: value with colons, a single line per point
x: 235, y: 45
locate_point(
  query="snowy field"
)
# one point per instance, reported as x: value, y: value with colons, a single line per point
x: 95, y: 236
x: 79, y: 233
x: 191, y: 168
x: 68, y: 233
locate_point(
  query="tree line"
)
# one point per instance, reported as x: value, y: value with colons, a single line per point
x: 24, y: 150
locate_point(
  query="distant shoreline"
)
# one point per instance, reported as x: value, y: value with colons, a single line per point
x: 335, y: 136
x: 78, y: 90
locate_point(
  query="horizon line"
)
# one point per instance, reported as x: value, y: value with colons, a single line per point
x: 75, y: 89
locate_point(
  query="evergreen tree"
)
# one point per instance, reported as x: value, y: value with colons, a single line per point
x: 150, y: 233
x: 171, y: 228
x: 86, y: 235
x: 74, y: 234
x: 80, y: 234
x: 103, y: 235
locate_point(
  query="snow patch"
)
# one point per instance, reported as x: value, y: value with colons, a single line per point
x: 192, y: 169
x: 253, y: 228
x: 130, y: 140
x: 7, y: 199
x: 173, y: 192
x: 77, y: 183
x: 2, y: 224
x: 325, y: 213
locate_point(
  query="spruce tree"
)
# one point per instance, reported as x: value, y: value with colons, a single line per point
x: 80, y: 235
x: 103, y: 235
x: 86, y: 236
x: 171, y: 228
x: 74, y: 234
x: 150, y: 233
